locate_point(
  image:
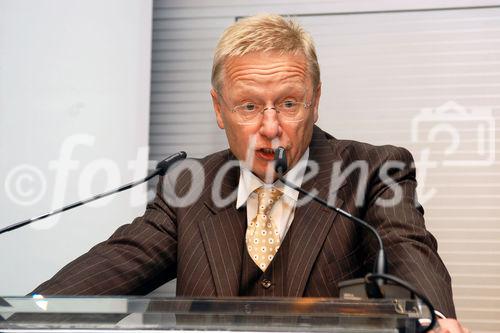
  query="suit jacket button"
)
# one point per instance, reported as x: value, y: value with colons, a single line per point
x: 266, y: 283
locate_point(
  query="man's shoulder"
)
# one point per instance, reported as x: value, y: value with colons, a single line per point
x: 218, y: 157
x: 209, y: 161
x: 357, y: 150
x: 194, y: 169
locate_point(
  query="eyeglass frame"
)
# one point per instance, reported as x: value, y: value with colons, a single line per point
x: 274, y: 107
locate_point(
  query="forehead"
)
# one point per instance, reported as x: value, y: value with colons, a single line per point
x: 265, y: 68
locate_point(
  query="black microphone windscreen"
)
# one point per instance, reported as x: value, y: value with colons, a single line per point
x: 281, y: 164
x: 163, y: 166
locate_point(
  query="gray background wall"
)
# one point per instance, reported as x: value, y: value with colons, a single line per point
x: 383, y: 63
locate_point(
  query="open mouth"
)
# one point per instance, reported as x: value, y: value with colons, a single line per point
x: 266, y: 153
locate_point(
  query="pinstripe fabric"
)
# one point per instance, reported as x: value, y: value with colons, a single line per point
x: 203, y: 245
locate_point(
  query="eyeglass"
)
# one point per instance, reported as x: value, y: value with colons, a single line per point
x: 288, y: 110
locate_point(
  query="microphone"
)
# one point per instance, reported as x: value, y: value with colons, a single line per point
x: 373, y: 284
x: 164, y: 165
x: 373, y: 291
x: 161, y: 169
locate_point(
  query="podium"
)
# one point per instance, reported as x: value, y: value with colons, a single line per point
x: 143, y: 314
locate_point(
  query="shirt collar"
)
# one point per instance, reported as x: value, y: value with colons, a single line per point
x: 249, y: 182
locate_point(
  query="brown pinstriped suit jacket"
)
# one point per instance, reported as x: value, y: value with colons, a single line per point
x: 202, y: 244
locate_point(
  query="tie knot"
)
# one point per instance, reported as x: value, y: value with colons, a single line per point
x: 267, y: 197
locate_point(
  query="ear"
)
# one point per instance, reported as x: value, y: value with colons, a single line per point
x: 218, y: 111
x: 317, y: 95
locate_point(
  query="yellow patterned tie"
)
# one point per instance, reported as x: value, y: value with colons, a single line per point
x: 262, y: 237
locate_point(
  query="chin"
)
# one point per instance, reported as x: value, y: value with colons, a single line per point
x: 272, y: 177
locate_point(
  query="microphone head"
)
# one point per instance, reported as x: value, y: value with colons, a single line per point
x: 163, y: 166
x: 280, y: 165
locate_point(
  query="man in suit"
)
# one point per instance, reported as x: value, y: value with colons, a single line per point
x: 225, y: 226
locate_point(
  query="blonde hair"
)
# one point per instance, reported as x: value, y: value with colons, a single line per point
x: 264, y: 33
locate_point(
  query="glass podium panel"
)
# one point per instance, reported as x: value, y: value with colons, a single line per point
x: 98, y: 314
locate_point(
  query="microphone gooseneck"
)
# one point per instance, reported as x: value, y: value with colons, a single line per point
x: 161, y: 169
x: 281, y: 166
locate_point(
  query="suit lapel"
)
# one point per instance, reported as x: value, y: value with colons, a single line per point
x: 223, y: 235
x: 312, y: 221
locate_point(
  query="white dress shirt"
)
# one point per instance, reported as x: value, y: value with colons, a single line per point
x: 283, y: 210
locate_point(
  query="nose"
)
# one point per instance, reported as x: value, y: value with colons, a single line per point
x: 270, y: 126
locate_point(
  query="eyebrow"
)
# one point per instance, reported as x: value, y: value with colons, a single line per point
x: 281, y: 91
